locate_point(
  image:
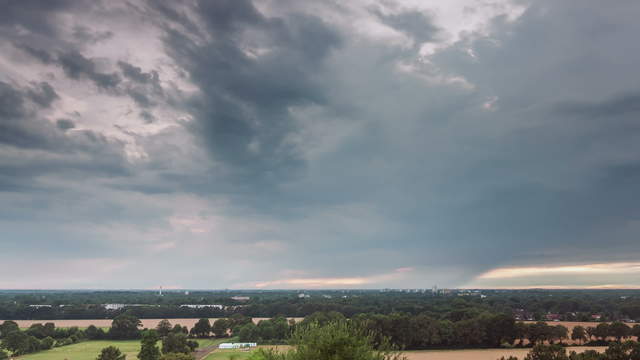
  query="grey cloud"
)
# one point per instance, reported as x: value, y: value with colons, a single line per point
x: 242, y: 116
x: 140, y: 97
x: 136, y: 74
x: 23, y: 129
x: 75, y: 65
x: 65, y: 124
x: 414, y: 23
x: 43, y: 94
x: 39, y: 54
x: 86, y: 35
x: 35, y: 15
x: 625, y: 104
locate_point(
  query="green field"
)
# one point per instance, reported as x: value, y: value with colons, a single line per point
x: 226, y: 354
x: 89, y: 350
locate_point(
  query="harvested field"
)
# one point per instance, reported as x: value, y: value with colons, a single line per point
x: 147, y: 323
x: 482, y: 354
x: 571, y: 324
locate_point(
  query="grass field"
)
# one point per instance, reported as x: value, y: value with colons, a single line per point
x: 238, y: 354
x: 89, y: 350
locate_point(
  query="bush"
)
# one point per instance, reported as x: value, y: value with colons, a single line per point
x: 111, y: 353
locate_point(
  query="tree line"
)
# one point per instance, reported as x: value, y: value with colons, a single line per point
x: 569, y: 305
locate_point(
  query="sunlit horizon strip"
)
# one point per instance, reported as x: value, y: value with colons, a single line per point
x: 599, y: 268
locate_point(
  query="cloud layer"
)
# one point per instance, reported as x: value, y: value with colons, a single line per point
x: 262, y: 143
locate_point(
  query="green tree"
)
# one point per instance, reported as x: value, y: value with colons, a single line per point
x: 177, y: 329
x: 335, y: 340
x: 125, y: 327
x: 202, y: 328
x: 16, y: 342
x: 249, y: 333
x: 3, y: 355
x: 220, y: 327
x: 601, y: 331
x: 547, y: 352
x: 559, y: 332
x: 175, y: 343
x: 163, y: 328
x: 619, y: 330
x: 47, y: 343
x: 149, y: 350
x: 578, y: 334
x: 8, y: 327
x: 94, y: 333
x: 111, y: 353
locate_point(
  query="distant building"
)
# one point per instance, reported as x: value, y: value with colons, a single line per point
x: 236, y: 345
x: 552, y: 317
x: 240, y: 298
x: 202, y: 306
x: 40, y: 306
x: 122, y: 306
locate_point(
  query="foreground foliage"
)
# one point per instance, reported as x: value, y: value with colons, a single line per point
x: 340, y: 340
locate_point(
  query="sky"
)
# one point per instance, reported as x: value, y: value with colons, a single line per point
x: 274, y: 144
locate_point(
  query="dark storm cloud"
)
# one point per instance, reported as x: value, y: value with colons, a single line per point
x: 136, y: 74
x: 75, y: 65
x: 242, y: 114
x: 65, y: 124
x: 43, y: 94
x: 23, y: 129
x: 35, y: 15
x: 625, y: 104
x: 415, y: 24
x: 86, y: 35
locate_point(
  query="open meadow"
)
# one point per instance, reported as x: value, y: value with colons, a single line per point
x: 89, y: 350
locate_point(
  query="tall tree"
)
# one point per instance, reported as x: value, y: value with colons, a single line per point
x: 163, y: 328
x: 176, y: 343
x: 149, y: 350
x: 125, y: 327
x: 8, y: 327
x: 220, y: 327
x: 619, y: 330
x: 202, y: 328
x: 578, y: 334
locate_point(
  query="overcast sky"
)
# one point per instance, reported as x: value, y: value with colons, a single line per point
x: 319, y: 144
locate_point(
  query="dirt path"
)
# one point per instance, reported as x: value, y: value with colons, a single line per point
x: 201, y: 353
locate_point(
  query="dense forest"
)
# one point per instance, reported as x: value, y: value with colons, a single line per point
x: 574, y: 305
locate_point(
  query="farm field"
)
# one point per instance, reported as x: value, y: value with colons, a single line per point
x: 472, y: 354
x: 106, y: 323
x: 482, y: 354
x: 89, y: 350
x: 571, y: 324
